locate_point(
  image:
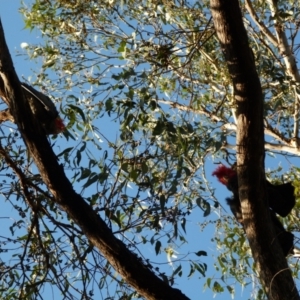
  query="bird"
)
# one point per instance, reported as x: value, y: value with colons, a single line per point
x: 281, y: 197
x: 42, y: 107
x: 281, y: 200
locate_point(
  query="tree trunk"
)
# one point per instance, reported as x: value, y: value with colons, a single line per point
x: 275, y: 276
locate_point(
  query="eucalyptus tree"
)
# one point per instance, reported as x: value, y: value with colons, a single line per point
x: 149, y: 103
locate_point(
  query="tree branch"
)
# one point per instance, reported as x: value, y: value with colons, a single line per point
x: 288, y: 145
x: 260, y: 24
x: 290, y: 63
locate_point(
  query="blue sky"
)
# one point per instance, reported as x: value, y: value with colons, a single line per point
x: 15, y: 35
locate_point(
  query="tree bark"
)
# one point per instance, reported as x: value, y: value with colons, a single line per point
x: 126, y: 263
x: 275, y: 276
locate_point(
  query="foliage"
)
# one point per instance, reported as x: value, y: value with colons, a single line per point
x: 148, y: 101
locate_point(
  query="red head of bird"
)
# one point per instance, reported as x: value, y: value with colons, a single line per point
x: 59, y: 125
x: 224, y: 174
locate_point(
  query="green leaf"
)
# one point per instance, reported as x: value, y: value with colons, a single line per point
x: 217, y: 288
x: 158, y: 129
x: 78, y: 110
x: 122, y: 47
x: 177, y: 270
x: 201, y: 253
x: 93, y: 178
x: 157, y: 247
x: 183, y: 222
x: 204, y: 205
x: 162, y: 201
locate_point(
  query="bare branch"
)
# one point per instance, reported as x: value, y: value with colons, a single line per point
x: 288, y: 145
x: 260, y: 24
x: 290, y: 63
